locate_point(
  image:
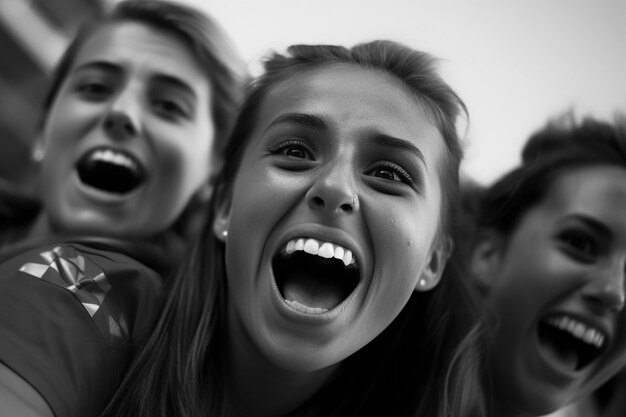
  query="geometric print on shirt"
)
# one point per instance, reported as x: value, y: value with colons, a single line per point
x: 64, y: 267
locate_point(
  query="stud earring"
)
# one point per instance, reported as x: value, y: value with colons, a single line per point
x: 224, y: 234
x: 37, y: 154
x: 422, y: 283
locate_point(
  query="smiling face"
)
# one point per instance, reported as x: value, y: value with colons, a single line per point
x: 557, y: 287
x: 128, y: 138
x: 334, y: 217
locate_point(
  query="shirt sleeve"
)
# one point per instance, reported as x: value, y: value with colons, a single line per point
x: 68, y: 316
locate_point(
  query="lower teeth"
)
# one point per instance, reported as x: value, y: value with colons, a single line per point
x: 306, y: 309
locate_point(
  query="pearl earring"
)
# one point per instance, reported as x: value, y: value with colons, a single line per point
x: 224, y: 234
x: 37, y: 154
x: 422, y: 282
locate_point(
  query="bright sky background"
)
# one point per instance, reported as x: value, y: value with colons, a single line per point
x: 515, y: 63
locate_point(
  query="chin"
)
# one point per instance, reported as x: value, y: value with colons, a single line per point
x: 96, y: 226
x: 300, y: 356
x: 533, y: 399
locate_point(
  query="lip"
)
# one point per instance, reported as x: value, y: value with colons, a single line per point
x: 558, y: 373
x: 101, y: 197
x: 325, y: 234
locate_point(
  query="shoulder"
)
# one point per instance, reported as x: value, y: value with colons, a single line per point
x: 69, y: 313
x: 96, y: 277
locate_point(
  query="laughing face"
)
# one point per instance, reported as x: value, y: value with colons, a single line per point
x: 557, y: 287
x: 334, y: 217
x: 128, y: 138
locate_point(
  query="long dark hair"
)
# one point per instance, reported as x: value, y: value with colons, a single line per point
x: 179, y: 371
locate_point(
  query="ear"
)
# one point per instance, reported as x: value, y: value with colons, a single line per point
x: 221, y: 222
x: 486, y: 256
x: 203, y: 194
x: 431, y: 275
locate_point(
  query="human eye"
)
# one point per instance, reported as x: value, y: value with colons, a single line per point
x: 389, y: 171
x: 579, y: 244
x: 94, y: 89
x: 293, y: 149
x: 170, y: 108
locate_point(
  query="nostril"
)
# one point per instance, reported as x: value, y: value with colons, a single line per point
x: 317, y: 201
x: 119, y: 124
x: 608, y: 302
x: 346, y: 207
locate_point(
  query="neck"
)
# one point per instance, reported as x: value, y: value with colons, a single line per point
x: 41, y: 228
x: 260, y: 388
x: 501, y: 410
x: 503, y: 407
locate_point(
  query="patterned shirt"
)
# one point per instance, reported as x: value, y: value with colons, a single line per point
x: 69, y: 314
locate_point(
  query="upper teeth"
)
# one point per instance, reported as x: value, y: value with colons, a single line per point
x: 323, y: 249
x: 578, y: 330
x: 113, y: 157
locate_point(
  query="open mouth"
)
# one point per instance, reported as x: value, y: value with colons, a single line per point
x: 313, y: 276
x: 110, y: 170
x: 573, y: 343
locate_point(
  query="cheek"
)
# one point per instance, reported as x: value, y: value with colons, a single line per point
x: 183, y: 167
x: 268, y: 194
x: 527, y: 283
x: 69, y: 115
x: 401, y: 246
x: 537, y: 271
x: 58, y: 129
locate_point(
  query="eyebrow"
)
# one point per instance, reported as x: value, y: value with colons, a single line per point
x: 101, y: 65
x: 594, y: 224
x: 176, y: 83
x: 302, y: 119
x: 159, y: 77
x: 382, y: 139
x: 378, y: 138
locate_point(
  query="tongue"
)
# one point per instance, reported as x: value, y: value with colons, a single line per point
x: 312, y: 291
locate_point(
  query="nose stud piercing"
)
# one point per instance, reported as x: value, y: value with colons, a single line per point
x: 355, y: 200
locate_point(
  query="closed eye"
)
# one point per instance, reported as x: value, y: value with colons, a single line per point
x: 293, y: 149
x: 390, y: 171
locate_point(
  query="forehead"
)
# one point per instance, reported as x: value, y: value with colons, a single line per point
x: 601, y: 189
x: 352, y: 99
x: 130, y: 43
x: 594, y: 192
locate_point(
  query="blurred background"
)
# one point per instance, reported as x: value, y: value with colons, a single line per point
x: 515, y: 63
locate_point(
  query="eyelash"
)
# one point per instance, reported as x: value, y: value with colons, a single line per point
x: 291, y: 143
x: 574, y: 239
x: 93, y: 89
x: 169, y: 107
x: 396, y: 169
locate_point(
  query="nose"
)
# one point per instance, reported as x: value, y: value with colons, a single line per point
x: 122, y: 120
x: 607, y: 291
x: 334, y: 191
